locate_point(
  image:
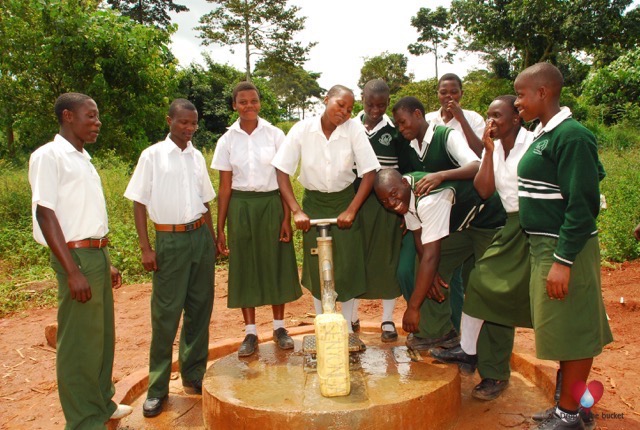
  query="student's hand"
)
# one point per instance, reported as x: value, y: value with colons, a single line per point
x: 79, y: 286
x: 410, y: 320
x: 149, y: 260
x: 302, y: 221
x: 636, y: 232
x: 221, y: 244
x: 558, y: 281
x: 286, y: 231
x: 346, y: 218
x: 487, y: 139
x: 430, y: 181
x: 454, y: 108
x: 116, y: 278
x: 434, y: 292
x: 403, y: 226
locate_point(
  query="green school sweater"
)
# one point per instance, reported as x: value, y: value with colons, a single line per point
x: 559, y: 188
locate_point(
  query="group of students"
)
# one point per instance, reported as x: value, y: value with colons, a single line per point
x: 510, y: 212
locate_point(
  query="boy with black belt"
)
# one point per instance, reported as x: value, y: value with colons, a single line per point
x: 172, y: 185
x: 70, y: 217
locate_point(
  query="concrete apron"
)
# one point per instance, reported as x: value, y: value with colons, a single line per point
x: 271, y: 390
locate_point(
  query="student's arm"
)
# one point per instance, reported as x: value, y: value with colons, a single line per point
x: 148, y: 254
x: 52, y: 232
x: 300, y: 218
x: 286, y: 233
x: 473, y: 140
x: 224, y: 195
x: 432, y: 180
x: 484, y: 181
x: 209, y: 222
x: 424, y: 287
x: 346, y: 218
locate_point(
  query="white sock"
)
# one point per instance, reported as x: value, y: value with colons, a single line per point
x: 567, y: 417
x: 250, y: 329
x: 354, y: 313
x: 318, y: 305
x: 278, y: 324
x: 470, y: 330
x: 347, y: 309
x: 388, y: 306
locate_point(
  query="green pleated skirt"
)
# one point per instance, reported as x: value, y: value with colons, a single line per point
x: 348, y: 248
x: 382, y: 237
x: 262, y: 270
x: 576, y: 327
x: 498, y: 288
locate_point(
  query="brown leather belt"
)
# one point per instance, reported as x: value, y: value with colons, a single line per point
x: 88, y: 243
x: 180, y: 228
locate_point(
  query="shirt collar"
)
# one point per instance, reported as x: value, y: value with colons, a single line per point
x: 169, y: 145
x: 68, y: 147
x: 383, y: 122
x: 236, y: 125
x: 340, y: 131
x: 557, y: 119
x: 521, y: 139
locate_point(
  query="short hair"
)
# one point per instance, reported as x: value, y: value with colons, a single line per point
x: 68, y: 101
x: 386, y: 178
x: 409, y: 104
x: 337, y: 89
x: 376, y: 86
x: 511, y: 101
x: 545, y: 75
x: 178, y: 104
x: 243, y: 86
x: 450, y: 77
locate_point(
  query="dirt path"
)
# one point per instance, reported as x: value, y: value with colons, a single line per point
x: 29, y: 399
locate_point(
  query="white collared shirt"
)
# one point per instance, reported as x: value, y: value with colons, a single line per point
x: 326, y: 165
x: 505, y: 171
x: 382, y: 123
x: 433, y: 215
x: 474, y: 119
x: 457, y: 146
x: 64, y: 180
x: 557, y: 119
x: 249, y: 156
x: 172, y: 184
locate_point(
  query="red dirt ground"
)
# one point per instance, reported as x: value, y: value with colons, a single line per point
x: 29, y: 399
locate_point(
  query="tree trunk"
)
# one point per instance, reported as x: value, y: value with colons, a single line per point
x: 11, y: 149
x: 140, y: 14
x: 435, y: 53
x: 247, y: 29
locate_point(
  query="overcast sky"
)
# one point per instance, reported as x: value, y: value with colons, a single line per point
x: 347, y: 31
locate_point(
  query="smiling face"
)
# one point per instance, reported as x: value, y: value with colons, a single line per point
x: 449, y: 90
x: 83, y: 122
x: 247, y: 103
x: 375, y: 105
x: 339, y: 107
x: 408, y: 123
x: 505, y: 118
x: 395, y: 196
x: 529, y: 100
x: 182, y: 126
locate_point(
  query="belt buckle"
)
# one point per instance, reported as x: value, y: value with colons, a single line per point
x: 190, y: 226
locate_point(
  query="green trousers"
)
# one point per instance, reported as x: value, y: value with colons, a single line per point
x: 86, y: 342
x: 435, y: 318
x: 494, y: 348
x: 183, y: 282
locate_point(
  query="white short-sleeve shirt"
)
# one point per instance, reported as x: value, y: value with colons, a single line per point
x: 457, y: 146
x: 326, y: 165
x: 475, y: 120
x: 249, y: 156
x: 432, y: 215
x: 174, y: 185
x: 64, y: 180
x: 505, y: 171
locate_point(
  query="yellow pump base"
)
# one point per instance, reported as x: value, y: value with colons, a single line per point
x: 332, y: 344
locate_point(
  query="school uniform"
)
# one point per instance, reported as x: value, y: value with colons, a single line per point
x: 475, y: 120
x: 174, y: 186
x: 262, y: 270
x: 498, y: 287
x: 382, y: 232
x: 326, y: 173
x: 64, y: 180
x: 559, y: 197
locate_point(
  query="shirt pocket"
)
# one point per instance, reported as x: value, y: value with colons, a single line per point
x: 266, y: 155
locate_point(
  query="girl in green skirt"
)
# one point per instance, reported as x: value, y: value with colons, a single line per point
x: 262, y: 263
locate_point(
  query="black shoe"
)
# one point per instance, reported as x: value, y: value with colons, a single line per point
x: 192, y: 387
x: 153, y: 406
x: 449, y: 340
x: 282, y: 339
x: 248, y: 346
x: 355, y: 326
x: 467, y: 363
x: 489, y: 389
x: 388, y: 336
x: 586, y: 415
x: 555, y: 422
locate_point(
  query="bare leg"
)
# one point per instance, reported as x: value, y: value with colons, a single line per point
x: 572, y: 372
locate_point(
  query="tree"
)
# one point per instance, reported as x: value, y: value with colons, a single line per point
x: 434, y: 28
x: 392, y: 68
x: 425, y: 91
x: 526, y: 32
x: 261, y: 27
x: 55, y: 46
x: 152, y: 12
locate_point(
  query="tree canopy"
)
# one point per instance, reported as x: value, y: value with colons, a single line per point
x: 152, y: 12
x: 392, y: 68
x: 434, y: 28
